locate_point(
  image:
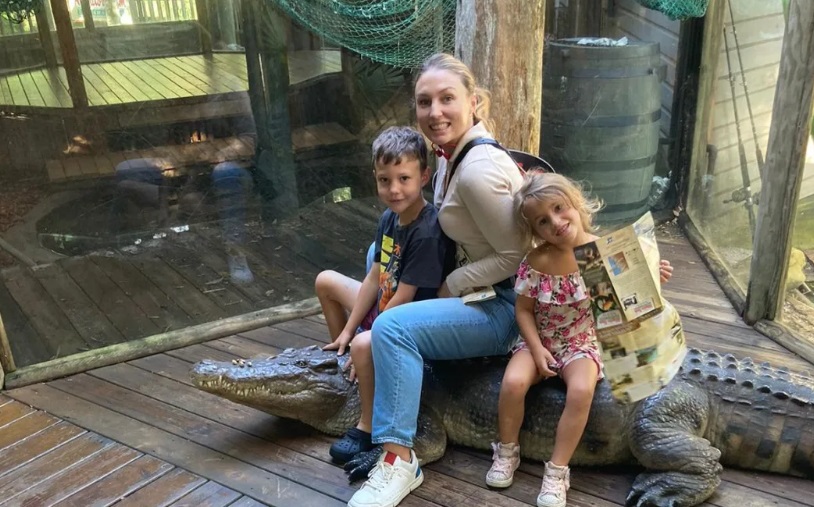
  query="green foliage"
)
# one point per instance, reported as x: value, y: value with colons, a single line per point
x: 18, y: 10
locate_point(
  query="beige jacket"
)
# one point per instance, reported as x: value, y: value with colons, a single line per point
x: 476, y: 213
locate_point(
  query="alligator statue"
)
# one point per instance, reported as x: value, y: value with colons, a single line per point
x: 717, y: 411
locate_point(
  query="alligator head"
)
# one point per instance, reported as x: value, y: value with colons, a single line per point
x: 307, y: 384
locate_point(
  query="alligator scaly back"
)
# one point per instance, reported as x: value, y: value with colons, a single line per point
x: 761, y: 417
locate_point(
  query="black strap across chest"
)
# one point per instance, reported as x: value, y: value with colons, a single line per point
x: 491, y: 142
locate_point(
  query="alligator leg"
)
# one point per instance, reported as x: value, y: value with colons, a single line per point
x: 665, y: 438
x: 431, y: 436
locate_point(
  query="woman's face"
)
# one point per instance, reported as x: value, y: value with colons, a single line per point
x: 444, y: 108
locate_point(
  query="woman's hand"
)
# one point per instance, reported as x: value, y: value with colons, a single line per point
x: 545, y: 363
x: 665, y: 270
x: 444, y: 292
x: 340, y: 344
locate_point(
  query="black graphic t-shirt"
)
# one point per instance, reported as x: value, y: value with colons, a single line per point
x: 418, y: 254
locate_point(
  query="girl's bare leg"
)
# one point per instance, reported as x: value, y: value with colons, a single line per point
x: 336, y: 293
x: 580, y: 377
x: 521, y: 374
x: 363, y: 364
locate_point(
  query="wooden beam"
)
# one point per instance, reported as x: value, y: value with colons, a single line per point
x: 44, y: 32
x: 502, y: 42
x: 693, y: 194
x: 785, y: 162
x: 70, y: 54
x: 87, y: 15
x: 356, y: 109
x: 276, y: 161
x: 155, y: 344
x: 685, y: 105
x: 550, y: 20
x: 583, y: 18
x: 204, y: 26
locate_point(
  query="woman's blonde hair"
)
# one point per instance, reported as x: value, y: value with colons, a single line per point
x: 543, y: 186
x: 444, y: 61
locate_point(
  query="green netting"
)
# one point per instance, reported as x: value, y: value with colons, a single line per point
x: 402, y: 33
x: 18, y: 10
x: 678, y: 9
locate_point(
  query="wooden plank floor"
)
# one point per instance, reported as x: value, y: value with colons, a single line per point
x: 154, y: 79
x: 114, y: 295
x: 150, y: 406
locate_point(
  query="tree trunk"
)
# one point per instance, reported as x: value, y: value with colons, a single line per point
x: 785, y: 158
x: 502, y: 42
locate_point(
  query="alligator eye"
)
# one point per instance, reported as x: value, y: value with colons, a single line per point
x: 301, y: 363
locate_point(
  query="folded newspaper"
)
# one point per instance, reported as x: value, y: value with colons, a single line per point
x: 639, y: 332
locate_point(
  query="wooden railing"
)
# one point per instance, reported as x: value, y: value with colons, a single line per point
x: 151, y: 11
x: 8, y: 27
x: 141, y: 11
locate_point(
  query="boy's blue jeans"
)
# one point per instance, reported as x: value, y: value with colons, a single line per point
x: 404, y: 336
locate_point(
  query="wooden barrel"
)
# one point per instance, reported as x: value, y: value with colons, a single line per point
x: 600, y: 121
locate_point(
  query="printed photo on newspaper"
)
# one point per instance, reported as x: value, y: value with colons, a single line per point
x: 640, y: 333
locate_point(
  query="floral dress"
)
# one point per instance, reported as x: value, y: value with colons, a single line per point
x: 562, y: 310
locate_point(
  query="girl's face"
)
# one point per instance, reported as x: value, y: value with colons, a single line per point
x: 444, y: 108
x: 555, y: 221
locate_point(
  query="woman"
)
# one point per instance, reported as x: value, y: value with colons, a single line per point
x: 475, y: 210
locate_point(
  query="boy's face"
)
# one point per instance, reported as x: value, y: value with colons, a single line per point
x: 399, y: 185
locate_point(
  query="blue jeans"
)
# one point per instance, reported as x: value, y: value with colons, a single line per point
x: 404, y: 336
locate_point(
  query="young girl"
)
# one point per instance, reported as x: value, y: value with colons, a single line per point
x: 553, y: 312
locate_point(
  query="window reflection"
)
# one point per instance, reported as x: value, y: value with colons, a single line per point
x: 150, y: 210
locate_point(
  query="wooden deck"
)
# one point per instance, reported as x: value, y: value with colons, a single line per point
x: 144, y: 419
x: 115, y: 295
x: 174, y: 79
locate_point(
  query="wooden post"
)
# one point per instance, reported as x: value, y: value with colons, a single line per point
x: 551, y: 18
x: 502, y: 42
x: 44, y: 32
x: 87, y: 15
x: 277, y: 159
x: 204, y: 26
x: 356, y: 111
x: 583, y: 18
x: 785, y: 161
x: 6, y: 359
x: 266, y: 34
x: 254, y: 71
x: 70, y: 54
x: 693, y: 194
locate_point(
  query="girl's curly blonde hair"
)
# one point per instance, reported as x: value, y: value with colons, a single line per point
x: 541, y: 186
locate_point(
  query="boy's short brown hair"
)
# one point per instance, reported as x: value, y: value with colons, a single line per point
x: 397, y: 143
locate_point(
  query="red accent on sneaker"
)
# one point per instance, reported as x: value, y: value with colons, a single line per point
x: 390, y: 458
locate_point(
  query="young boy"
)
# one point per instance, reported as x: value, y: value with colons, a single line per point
x: 410, y: 258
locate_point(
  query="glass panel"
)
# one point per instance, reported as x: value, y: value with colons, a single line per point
x: 182, y: 195
x: 117, y: 30
x: 723, y: 189
x: 798, y: 307
x: 20, y: 46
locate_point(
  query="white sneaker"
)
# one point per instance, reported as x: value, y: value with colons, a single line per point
x: 556, y: 482
x: 389, y: 482
x: 505, y: 460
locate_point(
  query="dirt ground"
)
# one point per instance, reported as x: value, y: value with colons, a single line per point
x: 17, y: 197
